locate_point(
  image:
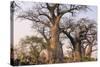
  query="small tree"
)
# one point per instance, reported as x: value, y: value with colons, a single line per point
x: 33, y: 46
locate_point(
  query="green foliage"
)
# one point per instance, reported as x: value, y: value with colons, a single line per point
x: 68, y: 59
x: 35, y: 44
x: 83, y: 59
x: 33, y: 39
x: 88, y: 59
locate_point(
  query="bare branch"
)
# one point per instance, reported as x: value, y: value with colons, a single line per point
x: 94, y: 50
x: 73, y: 8
x: 43, y: 34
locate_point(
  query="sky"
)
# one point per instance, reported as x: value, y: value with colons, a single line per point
x: 23, y: 28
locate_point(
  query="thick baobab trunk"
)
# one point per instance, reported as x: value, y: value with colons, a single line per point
x: 77, y: 49
x: 77, y: 52
x: 83, y: 52
x: 55, y: 46
x: 89, y: 51
x: 54, y: 42
x: 60, y: 55
x: 76, y: 45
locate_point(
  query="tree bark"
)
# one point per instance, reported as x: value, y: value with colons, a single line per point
x: 54, y: 42
x: 55, y: 46
x: 77, y: 52
x: 59, y: 53
x: 76, y: 43
x: 77, y: 49
x: 89, y: 51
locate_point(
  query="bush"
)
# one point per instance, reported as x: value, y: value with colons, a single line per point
x: 88, y: 59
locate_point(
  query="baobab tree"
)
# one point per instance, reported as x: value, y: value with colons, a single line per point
x: 85, y: 36
x: 47, y: 17
x: 89, y: 36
